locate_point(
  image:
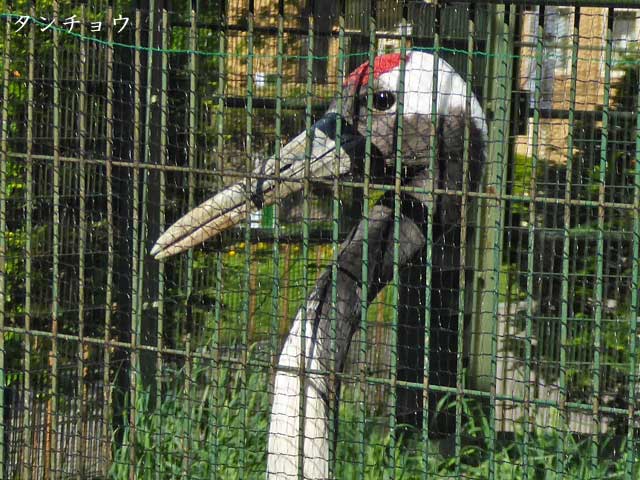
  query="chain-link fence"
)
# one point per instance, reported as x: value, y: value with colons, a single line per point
x: 418, y: 255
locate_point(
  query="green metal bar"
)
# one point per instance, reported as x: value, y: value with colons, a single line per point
x: 231, y: 359
x: 376, y: 380
x: 219, y: 387
x: 528, y: 420
x: 490, y: 194
x: 306, y: 190
x: 462, y: 278
x: 487, y: 195
x: 584, y: 48
x: 193, y: 125
x: 246, y: 282
x: 631, y: 459
x: 188, y: 389
x: 150, y: 136
x: 160, y: 302
x: 27, y: 466
x: 145, y: 219
x: 275, y: 289
x: 108, y: 162
x: 135, y: 264
x: 503, y: 102
x: 428, y: 267
x: 52, y: 421
x: 566, y: 245
x: 361, y: 391
x: 599, y: 287
x: 495, y: 173
x: 82, y: 236
x: 4, y: 148
x: 334, y: 415
x: 490, y: 42
x: 397, y: 207
x: 491, y: 218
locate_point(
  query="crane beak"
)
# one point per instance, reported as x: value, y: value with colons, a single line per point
x: 228, y: 207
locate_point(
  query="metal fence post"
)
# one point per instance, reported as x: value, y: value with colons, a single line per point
x: 484, y: 321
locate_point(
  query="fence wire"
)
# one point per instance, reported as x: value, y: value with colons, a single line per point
x: 448, y: 289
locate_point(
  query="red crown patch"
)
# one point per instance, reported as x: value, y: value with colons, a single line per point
x: 381, y: 64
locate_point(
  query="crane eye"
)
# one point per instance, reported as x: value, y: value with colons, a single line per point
x: 383, y: 100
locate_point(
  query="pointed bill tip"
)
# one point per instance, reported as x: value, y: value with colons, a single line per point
x: 155, y: 250
x: 207, y: 220
x: 161, y: 253
x: 163, y: 249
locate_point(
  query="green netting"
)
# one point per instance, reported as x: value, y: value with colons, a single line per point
x: 494, y: 318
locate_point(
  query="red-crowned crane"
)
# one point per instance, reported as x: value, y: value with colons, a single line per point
x: 228, y: 207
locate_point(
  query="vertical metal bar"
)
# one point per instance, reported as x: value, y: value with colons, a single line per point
x: 491, y: 211
x: 82, y: 237
x: 247, y: 230
x: 566, y: 245
x: 55, y: 265
x: 108, y: 308
x: 275, y: 290
x: 397, y: 207
x: 478, y: 281
x: 27, y: 466
x: 164, y: 108
x: 428, y: 267
x: 220, y: 110
x: 503, y: 102
x: 4, y: 158
x: 306, y: 190
x: 193, y: 125
x: 218, y: 389
x: 186, y: 441
x: 366, y: 195
x: 531, y: 242
x: 334, y: 381
x: 217, y: 392
x: 471, y: 26
x: 632, y: 421
x: 150, y: 136
x: 193, y: 163
x: 597, y: 338
x: 135, y: 265
x: 335, y: 246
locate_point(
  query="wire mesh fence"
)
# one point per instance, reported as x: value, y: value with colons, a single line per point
x: 417, y: 255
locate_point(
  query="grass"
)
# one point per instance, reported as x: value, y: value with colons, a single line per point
x: 216, y: 427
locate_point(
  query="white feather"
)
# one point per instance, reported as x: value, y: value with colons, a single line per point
x: 284, y: 430
x: 418, y: 88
